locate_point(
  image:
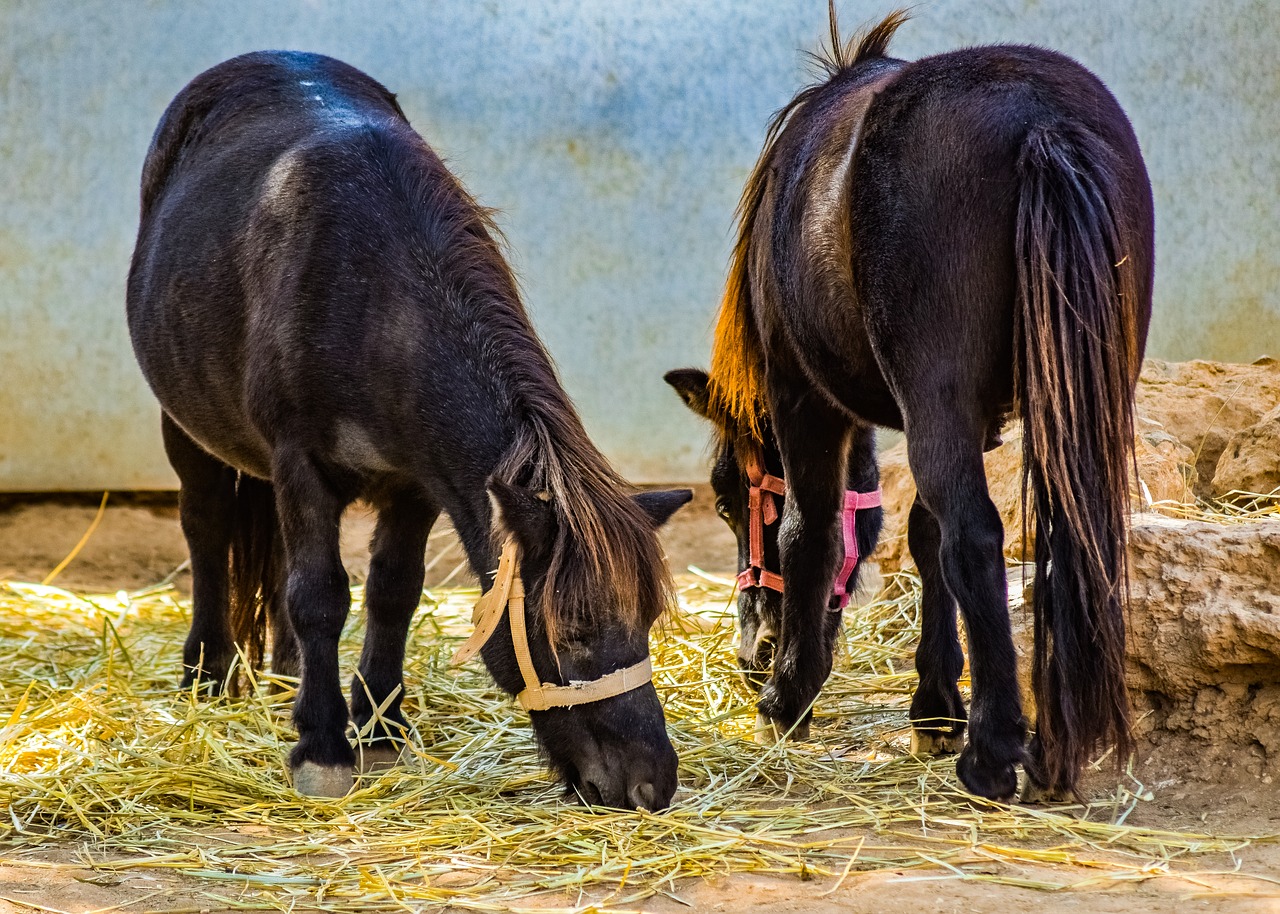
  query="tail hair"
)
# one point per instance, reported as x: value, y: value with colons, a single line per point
x: 256, y: 579
x: 1077, y: 348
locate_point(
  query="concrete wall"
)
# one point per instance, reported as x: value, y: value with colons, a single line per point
x: 614, y: 136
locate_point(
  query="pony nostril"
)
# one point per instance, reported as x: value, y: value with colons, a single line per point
x: 643, y: 796
x: 590, y: 793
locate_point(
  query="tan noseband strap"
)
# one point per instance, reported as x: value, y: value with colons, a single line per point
x: 487, y: 612
x: 508, y: 593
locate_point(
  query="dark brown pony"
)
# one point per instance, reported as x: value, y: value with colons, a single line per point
x: 934, y: 246
x: 324, y: 315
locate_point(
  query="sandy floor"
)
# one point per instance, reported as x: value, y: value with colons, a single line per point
x: 138, y: 543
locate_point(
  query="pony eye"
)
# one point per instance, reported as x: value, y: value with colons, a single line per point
x: 722, y: 508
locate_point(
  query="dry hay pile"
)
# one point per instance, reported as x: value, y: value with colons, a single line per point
x: 98, y: 749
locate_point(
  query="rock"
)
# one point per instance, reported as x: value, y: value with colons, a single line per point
x: 1205, y: 604
x: 1203, y: 639
x: 1250, y: 462
x: 1166, y: 466
x: 1204, y: 404
x: 898, y: 492
x: 1204, y: 631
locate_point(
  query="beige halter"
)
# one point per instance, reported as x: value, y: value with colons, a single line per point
x: 508, y: 593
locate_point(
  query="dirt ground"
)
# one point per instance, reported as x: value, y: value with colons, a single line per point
x: 138, y: 543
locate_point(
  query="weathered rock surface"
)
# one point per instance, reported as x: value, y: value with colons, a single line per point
x: 1203, y: 640
x: 1204, y: 631
x: 1250, y: 462
x: 1205, y: 604
x: 1204, y: 404
x: 1166, y: 466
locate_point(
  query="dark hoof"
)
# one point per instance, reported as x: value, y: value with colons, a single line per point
x: 995, y: 782
x: 784, y: 704
x: 768, y: 731
x: 936, y: 742
x: 1034, y: 794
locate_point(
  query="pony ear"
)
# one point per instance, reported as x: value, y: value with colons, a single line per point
x: 524, y: 514
x: 692, y: 386
x: 659, y: 506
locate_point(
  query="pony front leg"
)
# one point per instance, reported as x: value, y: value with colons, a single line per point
x: 812, y: 439
x: 318, y: 599
x: 392, y: 594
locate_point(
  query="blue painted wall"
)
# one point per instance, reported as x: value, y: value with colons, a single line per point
x: 614, y: 137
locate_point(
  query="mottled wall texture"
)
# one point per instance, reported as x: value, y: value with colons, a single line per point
x: 614, y: 137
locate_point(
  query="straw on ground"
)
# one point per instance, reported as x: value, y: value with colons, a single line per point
x: 99, y: 748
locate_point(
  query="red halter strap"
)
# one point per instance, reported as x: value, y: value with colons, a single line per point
x: 762, y: 510
x: 853, y: 502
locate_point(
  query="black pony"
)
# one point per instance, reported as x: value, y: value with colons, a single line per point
x: 324, y: 315
x: 933, y: 246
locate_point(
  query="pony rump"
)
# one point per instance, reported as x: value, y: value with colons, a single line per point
x: 737, y: 398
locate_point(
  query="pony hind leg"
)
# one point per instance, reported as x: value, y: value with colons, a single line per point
x: 286, y: 656
x: 947, y: 464
x: 396, y: 573
x: 206, y: 509
x: 937, y: 710
x: 317, y: 599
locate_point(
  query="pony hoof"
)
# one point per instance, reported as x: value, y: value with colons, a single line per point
x: 313, y: 780
x: 768, y: 731
x: 999, y: 783
x: 1034, y: 794
x: 377, y: 759
x: 936, y: 742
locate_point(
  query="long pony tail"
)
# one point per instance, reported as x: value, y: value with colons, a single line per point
x: 1077, y: 351
x: 255, y: 566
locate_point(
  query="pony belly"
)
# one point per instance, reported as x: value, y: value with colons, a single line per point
x: 231, y: 439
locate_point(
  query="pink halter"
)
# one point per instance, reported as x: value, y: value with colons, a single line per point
x: 762, y: 510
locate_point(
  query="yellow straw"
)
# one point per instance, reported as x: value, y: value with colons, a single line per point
x: 102, y: 509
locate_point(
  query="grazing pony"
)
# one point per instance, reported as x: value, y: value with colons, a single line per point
x: 933, y: 246
x: 324, y: 315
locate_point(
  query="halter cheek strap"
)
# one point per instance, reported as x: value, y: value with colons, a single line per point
x: 853, y: 503
x: 762, y: 510
x: 507, y: 593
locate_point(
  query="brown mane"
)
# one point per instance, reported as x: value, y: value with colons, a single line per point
x: 869, y: 44
x: 737, y: 382
x: 606, y: 558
